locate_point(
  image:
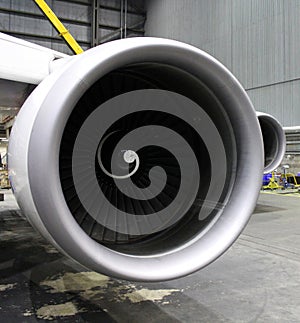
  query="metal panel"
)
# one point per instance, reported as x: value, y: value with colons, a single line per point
x: 204, y: 24
x: 76, y: 12
x: 282, y: 100
x: 292, y: 39
x: 30, y: 25
x: 259, y: 40
x: 25, y: 5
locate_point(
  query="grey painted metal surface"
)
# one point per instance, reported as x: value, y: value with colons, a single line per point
x: 281, y: 100
x: 258, y: 40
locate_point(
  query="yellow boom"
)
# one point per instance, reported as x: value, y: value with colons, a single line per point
x: 58, y: 25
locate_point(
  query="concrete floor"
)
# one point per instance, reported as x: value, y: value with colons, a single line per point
x: 257, y: 280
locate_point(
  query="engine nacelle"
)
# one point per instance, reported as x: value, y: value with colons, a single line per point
x: 274, y: 141
x: 136, y: 157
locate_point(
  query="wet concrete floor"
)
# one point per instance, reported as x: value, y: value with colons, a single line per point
x: 257, y: 280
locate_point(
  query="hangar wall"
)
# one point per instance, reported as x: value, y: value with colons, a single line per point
x: 258, y: 40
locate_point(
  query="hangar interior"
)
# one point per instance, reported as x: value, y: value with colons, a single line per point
x: 257, y: 280
x: 264, y: 61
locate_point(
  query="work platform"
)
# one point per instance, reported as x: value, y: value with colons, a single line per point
x: 257, y: 280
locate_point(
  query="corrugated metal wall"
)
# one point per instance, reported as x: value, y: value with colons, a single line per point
x: 258, y: 40
x: 23, y: 19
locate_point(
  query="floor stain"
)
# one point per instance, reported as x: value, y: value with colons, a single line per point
x: 81, y: 281
x: 144, y: 294
x: 6, y: 287
x: 94, y: 286
x: 49, y: 312
x: 28, y: 313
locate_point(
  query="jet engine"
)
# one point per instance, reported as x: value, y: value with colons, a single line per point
x: 274, y: 141
x: 140, y: 159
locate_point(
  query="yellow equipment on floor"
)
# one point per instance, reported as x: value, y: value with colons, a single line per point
x: 272, y: 185
x: 290, y: 178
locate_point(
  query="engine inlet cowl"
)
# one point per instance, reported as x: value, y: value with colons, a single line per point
x: 273, y: 139
x: 136, y: 157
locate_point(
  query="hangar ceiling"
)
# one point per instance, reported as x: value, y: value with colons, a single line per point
x: 91, y: 22
x: 116, y: 19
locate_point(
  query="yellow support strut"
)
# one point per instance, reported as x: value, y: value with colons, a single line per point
x: 58, y: 25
